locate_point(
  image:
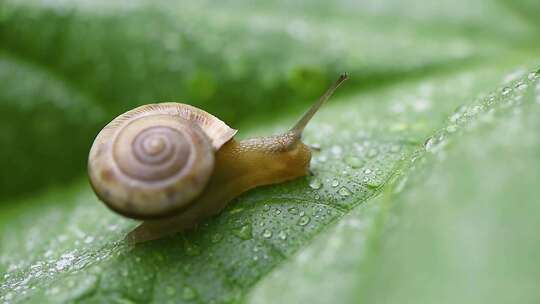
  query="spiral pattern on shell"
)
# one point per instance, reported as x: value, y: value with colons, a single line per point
x: 153, y: 161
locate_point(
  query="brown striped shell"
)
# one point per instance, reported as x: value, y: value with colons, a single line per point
x: 153, y: 161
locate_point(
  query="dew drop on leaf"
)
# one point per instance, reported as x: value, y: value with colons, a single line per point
x: 434, y: 143
x: 354, y: 162
x: 244, y: 232
x: 372, y: 183
x: 315, y: 184
x: 267, y: 233
x: 521, y: 86
x: 293, y: 210
x: 344, y: 192
x: 335, y: 183
x: 429, y: 144
x: 451, y: 128
x: 304, y: 220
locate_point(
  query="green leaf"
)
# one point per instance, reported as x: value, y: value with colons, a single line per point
x: 402, y: 180
x: 456, y: 225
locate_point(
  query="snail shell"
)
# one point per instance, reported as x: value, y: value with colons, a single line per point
x: 153, y: 161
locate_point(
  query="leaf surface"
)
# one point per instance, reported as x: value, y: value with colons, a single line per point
x: 399, y: 170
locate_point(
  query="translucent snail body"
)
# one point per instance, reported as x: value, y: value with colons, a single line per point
x: 187, y: 166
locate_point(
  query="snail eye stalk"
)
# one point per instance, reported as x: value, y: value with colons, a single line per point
x: 299, y: 127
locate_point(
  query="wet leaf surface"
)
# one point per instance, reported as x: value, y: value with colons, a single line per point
x: 416, y: 152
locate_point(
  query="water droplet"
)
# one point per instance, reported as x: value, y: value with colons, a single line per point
x: 472, y: 111
x: 455, y: 117
x: 266, y: 207
x: 188, y: 293
x: 433, y: 144
x: 303, y: 220
x: 367, y: 171
x: 244, y: 232
x: 430, y: 143
x: 293, y: 210
x: 65, y: 261
x: 216, y: 237
x: 505, y: 91
x: 315, y: 184
x: 335, y: 183
x: 278, y: 211
x: 282, y: 235
x: 354, y: 162
x: 267, y: 233
x: 344, y: 192
x: 451, y: 128
x: 372, y: 182
x: 521, y: 86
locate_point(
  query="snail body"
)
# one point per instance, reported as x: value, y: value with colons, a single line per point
x: 172, y: 165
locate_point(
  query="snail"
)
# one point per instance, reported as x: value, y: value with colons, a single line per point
x: 172, y: 165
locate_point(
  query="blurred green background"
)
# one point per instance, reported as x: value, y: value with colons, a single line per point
x: 69, y: 67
